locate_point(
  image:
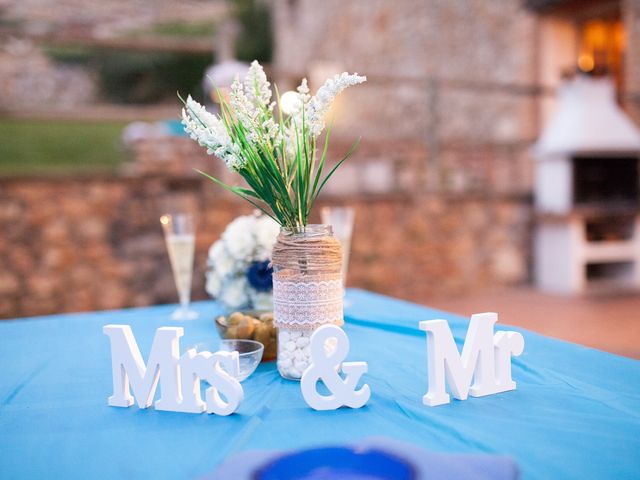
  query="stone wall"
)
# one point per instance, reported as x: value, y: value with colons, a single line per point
x: 453, y: 82
x: 88, y: 243
x: 29, y: 80
x: 467, y: 82
x: 75, y: 244
x: 441, y: 181
x: 631, y: 94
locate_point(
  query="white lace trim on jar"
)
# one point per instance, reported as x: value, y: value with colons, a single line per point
x: 307, y: 304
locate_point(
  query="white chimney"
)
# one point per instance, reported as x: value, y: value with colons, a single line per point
x: 587, y: 193
x: 587, y: 119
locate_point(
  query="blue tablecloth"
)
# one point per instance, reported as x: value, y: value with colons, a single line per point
x: 575, y: 414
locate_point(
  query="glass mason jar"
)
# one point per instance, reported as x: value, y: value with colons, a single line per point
x: 307, y: 292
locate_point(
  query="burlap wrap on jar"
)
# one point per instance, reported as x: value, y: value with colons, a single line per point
x: 307, y: 292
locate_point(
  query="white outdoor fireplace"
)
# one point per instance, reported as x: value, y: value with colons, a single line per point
x: 587, y: 193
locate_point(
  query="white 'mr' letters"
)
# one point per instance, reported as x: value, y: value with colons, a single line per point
x: 485, y: 359
x: 179, y: 377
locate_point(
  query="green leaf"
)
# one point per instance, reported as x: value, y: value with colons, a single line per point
x: 322, y: 160
x: 349, y: 153
x: 238, y: 191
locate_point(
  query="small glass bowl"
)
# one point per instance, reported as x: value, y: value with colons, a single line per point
x: 249, y: 353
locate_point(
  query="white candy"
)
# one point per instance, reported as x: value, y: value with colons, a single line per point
x: 302, y: 341
x: 294, y: 353
x: 284, y: 354
x: 285, y: 363
x: 300, y: 365
x: 283, y: 336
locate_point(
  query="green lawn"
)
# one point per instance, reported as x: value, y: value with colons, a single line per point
x: 41, y: 147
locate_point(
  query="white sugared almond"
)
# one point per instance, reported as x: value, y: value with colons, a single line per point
x: 294, y: 355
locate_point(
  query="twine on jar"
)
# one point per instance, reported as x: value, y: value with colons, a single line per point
x: 307, y: 290
x: 299, y: 256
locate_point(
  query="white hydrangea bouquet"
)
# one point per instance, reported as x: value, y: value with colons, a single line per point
x: 239, y: 274
x: 274, y: 153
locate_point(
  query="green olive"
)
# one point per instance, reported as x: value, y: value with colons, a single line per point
x: 232, y: 332
x: 235, y: 318
x: 256, y: 323
x: 262, y: 334
x: 245, y: 327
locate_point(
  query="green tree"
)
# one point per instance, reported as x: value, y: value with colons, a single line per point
x: 255, y: 38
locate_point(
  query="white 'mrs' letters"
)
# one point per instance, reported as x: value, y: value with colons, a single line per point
x: 486, y: 358
x: 179, y: 376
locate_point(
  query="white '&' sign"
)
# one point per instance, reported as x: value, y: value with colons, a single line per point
x: 326, y: 365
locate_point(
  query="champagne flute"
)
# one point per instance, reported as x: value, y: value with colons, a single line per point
x: 179, y: 235
x: 341, y: 220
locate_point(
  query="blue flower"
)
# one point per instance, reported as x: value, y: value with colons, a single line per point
x: 259, y: 276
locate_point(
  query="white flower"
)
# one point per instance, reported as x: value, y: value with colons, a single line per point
x: 246, y: 239
x: 312, y: 110
x: 220, y: 260
x: 266, y: 232
x: 320, y: 103
x: 261, y: 300
x: 251, y: 107
x: 272, y: 131
x: 209, y: 131
x: 238, y: 237
x: 256, y: 86
x: 234, y: 293
x: 214, y: 283
x: 250, y: 103
x: 303, y: 92
x: 243, y: 108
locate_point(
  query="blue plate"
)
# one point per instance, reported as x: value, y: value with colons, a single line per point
x: 337, y: 463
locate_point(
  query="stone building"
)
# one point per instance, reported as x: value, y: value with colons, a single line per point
x: 471, y: 82
x: 457, y: 93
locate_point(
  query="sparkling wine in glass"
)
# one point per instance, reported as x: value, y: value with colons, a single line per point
x: 341, y: 219
x: 179, y: 235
